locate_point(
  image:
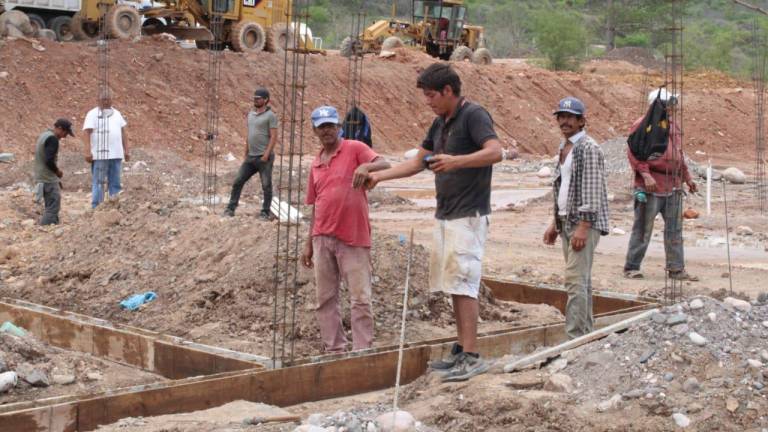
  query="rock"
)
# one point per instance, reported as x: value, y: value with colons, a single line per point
x: 28, y: 223
x: 744, y: 230
x: 6, y: 157
x: 94, y: 376
x: 634, y: 394
x: 757, y: 364
x: 681, y: 329
x: 712, y: 316
x: 309, y: 428
x: 647, y: 355
x: 63, y: 379
x: 34, y: 376
x: 46, y: 34
x: 525, y: 380
x: 763, y: 356
x: 140, y: 166
x: 157, y: 57
x: 691, y: 385
x: 610, y: 404
x: 681, y: 420
x: 8, y: 380
x: 4, y: 75
x: 734, y: 175
x: 765, y: 324
x: 695, y: 407
x: 697, y: 339
x: 3, y: 366
x: 696, y: 304
x: 600, y: 358
x: 618, y: 231
x: 690, y: 213
x: 399, y: 421
x: 669, y: 376
x: 738, y: 304
x: 731, y: 404
x: 108, y: 218
x: 544, y: 172
x: 557, y: 365
x: 559, y: 382
x: 659, y: 318
x: 757, y: 385
x: 678, y: 318
x: 316, y: 419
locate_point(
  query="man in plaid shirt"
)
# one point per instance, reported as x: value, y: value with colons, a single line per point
x: 581, y: 211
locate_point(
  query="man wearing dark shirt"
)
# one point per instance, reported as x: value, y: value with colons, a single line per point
x: 47, y: 172
x: 460, y: 148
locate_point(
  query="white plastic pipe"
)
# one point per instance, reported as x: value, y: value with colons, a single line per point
x: 709, y: 187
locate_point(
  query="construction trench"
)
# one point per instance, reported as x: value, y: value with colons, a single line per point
x: 202, y: 376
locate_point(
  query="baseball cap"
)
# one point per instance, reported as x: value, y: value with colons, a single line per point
x: 261, y: 92
x: 662, y: 94
x: 64, y: 125
x: 571, y: 105
x: 325, y: 114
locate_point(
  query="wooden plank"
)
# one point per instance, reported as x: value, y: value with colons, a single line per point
x: 55, y: 418
x: 573, y: 343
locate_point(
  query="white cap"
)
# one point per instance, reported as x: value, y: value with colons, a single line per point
x: 665, y: 95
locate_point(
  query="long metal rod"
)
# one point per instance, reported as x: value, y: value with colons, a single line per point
x: 402, y: 321
x: 728, y: 239
x: 758, y: 79
x: 213, y: 102
x: 99, y: 169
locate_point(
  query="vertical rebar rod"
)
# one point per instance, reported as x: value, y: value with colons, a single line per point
x: 402, y: 322
x: 213, y: 103
x: 758, y: 80
x: 728, y: 239
x: 99, y: 167
x: 354, y: 74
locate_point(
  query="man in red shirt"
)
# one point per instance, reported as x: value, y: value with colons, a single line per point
x: 659, y: 182
x: 339, y: 245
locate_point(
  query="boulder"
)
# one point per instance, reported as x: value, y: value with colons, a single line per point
x: 735, y: 175
x: 559, y: 382
x: 399, y: 421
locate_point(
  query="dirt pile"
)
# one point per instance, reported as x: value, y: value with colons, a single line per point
x: 45, y: 371
x: 160, y: 88
x: 635, y: 55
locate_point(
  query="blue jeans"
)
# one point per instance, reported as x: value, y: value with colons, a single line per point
x: 105, y: 171
x: 670, y: 208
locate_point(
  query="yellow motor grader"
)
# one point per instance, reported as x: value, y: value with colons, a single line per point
x: 438, y: 27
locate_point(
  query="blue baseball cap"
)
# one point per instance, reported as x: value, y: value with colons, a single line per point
x: 325, y: 114
x: 571, y: 105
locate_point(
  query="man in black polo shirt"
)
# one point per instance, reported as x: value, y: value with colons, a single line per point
x: 460, y: 148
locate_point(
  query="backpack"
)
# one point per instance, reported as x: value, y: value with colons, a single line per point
x: 652, y: 134
x: 357, y: 127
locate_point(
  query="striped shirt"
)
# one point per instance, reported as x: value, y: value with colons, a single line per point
x: 588, y: 192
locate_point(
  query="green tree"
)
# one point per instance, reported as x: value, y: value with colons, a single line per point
x: 560, y: 36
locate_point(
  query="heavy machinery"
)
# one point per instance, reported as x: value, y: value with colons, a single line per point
x: 247, y: 25
x: 437, y: 26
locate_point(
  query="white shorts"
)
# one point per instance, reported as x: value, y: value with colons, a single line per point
x: 456, y: 260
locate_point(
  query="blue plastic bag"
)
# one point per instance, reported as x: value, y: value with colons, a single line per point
x: 135, y: 301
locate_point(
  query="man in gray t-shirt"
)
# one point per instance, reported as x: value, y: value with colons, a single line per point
x: 259, y: 153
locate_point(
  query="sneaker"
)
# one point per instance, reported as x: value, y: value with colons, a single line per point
x: 467, y: 366
x: 633, y: 274
x: 446, y: 364
x: 265, y: 216
x: 683, y: 275
x: 229, y: 212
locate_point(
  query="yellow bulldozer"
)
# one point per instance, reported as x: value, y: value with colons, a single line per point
x: 247, y: 25
x: 438, y: 27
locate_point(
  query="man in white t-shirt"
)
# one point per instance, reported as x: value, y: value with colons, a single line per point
x: 106, y: 145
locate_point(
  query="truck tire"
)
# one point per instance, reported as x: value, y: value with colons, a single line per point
x: 84, y: 30
x: 62, y: 26
x: 123, y: 22
x: 37, y: 22
x: 345, y: 49
x: 391, y: 43
x: 461, y: 53
x: 277, y: 37
x: 482, y: 56
x: 247, y: 37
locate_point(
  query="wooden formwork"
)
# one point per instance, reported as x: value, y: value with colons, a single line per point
x: 307, y: 380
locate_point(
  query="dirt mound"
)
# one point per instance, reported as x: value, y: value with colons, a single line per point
x: 635, y: 55
x: 161, y: 88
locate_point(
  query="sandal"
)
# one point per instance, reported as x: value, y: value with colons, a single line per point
x: 683, y: 275
x: 633, y: 274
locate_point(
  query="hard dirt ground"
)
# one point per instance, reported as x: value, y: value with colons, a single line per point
x: 214, y: 274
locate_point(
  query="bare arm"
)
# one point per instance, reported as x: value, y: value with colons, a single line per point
x: 271, y: 145
x: 87, y: 141
x: 405, y: 169
x: 306, y: 255
x: 490, y: 154
x: 124, y: 135
x: 363, y: 171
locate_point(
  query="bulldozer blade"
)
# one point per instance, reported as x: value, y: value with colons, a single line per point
x: 185, y: 33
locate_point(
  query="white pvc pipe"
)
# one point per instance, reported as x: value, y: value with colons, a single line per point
x: 709, y: 187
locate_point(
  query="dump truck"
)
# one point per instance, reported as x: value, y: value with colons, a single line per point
x: 48, y: 14
x: 246, y: 25
x: 438, y: 27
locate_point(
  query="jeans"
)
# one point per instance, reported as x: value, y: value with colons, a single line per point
x: 52, y: 198
x: 105, y: 171
x: 251, y: 166
x: 670, y: 208
x: 578, y: 282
